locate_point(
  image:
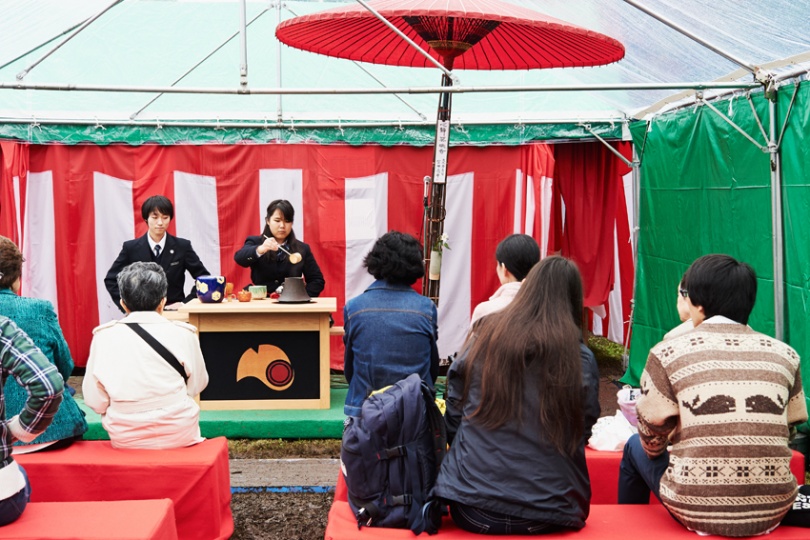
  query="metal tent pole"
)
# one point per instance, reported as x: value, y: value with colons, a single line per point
x: 725, y: 54
x: 195, y: 66
x: 634, y: 236
x: 21, y: 75
x: 776, y: 217
x: 279, y: 110
x: 408, y: 40
x: 68, y: 87
x: 243, y: 65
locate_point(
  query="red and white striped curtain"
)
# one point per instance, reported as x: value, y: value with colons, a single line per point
x: 71, y: 207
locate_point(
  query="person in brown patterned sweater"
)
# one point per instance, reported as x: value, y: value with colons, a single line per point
x: 724, y: 396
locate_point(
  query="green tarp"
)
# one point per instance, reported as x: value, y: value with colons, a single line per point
x: 707, y: 189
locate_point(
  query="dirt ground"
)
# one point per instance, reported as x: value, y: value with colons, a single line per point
x: 280, y: 516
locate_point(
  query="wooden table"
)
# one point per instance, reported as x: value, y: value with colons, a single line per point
x: 263, y: 354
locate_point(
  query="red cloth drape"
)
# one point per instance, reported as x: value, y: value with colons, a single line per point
x: 13, y: 163
x: 589, y: 176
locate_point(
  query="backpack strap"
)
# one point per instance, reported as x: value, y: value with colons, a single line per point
x: 426, y: 515
x: 437, y: 425
x: 159, y: 348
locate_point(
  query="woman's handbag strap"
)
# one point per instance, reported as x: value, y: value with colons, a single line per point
x: 159, y: 348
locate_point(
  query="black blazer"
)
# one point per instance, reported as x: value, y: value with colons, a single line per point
x: 267, y: 270
x: 178, y: 257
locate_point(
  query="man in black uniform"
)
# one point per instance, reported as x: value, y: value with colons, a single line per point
x: 174, y: 254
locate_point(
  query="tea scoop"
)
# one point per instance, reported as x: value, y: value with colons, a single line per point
x: 295, y: 258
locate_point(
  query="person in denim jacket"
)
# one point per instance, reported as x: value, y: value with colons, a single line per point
x: 390, y: 329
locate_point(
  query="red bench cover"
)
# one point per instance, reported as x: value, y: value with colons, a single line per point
x: 196, y: 479
x: 95, y: 520
x: 606, y: 522
x: 603, y: 468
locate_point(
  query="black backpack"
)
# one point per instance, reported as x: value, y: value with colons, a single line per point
x: 391, y: 456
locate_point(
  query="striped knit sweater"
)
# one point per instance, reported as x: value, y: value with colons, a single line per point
x: 723, y: 396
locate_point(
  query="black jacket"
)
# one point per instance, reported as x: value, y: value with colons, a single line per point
x: 270, y: 271
x: 513, y: 470
x: 178, y: 257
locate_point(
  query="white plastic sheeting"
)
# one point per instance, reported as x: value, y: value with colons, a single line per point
x: 159, y: 43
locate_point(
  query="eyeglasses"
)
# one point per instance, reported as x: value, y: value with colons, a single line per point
x: 683, y: 292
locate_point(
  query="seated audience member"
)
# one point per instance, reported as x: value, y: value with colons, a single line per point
x: 515, y: 255
x: 724, y: 396
x: 683, y: 312
x: 19, y: 358
x: 38, y: 320
x: 143, y: 399
x: 390, y: 329
x: 521, y: 401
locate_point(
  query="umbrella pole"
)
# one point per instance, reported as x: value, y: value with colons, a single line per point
x: 435, y: 210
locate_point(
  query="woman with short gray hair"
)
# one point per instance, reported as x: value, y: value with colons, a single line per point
x: 143, y: 286
x: 145, y: 397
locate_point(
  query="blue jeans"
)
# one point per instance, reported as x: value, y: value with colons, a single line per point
x: 12, y: 508
x: 479, y: 521
x: 640, y: 475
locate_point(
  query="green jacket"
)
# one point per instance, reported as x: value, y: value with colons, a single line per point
x: 20, y: 359
x: 37, y: 319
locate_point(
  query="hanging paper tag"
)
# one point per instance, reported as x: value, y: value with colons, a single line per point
x: 440, y: 152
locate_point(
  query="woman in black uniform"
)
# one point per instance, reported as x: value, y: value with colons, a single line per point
x: 266, y: 257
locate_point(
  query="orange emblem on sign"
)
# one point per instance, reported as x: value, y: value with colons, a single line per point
x: 270, y: 365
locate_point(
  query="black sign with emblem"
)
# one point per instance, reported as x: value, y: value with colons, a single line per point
x: 261, y: 365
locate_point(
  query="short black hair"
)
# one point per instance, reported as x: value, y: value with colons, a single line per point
x: 722, y: 285
x: 287, y: 211
x: 157, y: 202
x: 518, y: 253
x: 397, y: 258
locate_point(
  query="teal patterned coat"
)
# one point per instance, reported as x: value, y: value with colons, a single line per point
x: 37, y: 319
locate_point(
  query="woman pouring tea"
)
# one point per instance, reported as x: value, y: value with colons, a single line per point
x: 277, y: 254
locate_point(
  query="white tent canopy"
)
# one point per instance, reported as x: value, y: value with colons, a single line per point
x: 139, y: 45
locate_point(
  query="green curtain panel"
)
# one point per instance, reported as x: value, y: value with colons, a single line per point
x: 706, y: 189
x: 795, y: 214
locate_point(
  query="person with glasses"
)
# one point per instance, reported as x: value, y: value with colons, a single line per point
x: 683, y: 312
x: 715, y: 413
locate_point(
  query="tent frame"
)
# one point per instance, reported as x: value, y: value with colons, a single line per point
x: 767, y: 81
x: 763, y: 79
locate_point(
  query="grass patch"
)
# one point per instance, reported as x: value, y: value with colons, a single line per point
x: 608, y: 355
x: 283, y: 448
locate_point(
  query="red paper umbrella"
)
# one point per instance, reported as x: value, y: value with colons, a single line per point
x: 460, y: 34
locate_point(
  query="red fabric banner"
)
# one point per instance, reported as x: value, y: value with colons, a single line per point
x: 76, y: 204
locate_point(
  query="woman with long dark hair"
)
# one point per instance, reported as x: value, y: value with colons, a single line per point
x: 277, y: 254
x: 521, y: 401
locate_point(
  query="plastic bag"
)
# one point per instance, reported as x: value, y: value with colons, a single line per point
x: 610, y: 433
x: 626, y: 398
